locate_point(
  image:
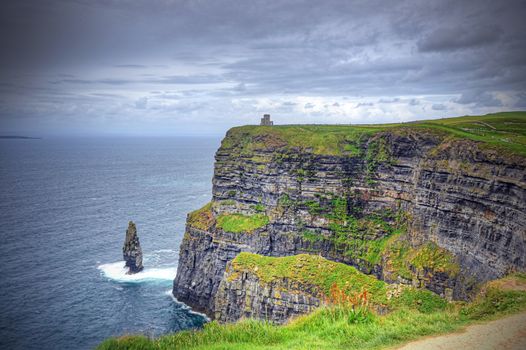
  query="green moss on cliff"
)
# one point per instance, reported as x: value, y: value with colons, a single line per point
x: 237, y: 223
x: 395, y: 255
x: 401, y: 259
x: 309, y: 269
x: 314, y: 270
x: 431, y: 256
x: 362, y: 237
x: 202, y: 218
x: 311, y: 236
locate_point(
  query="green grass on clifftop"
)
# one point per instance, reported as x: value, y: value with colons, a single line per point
x: 506, y: 131
x: 201, y: 218
x: 237, y: 223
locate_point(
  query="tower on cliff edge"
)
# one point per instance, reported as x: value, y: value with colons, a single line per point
x: 266, y: 120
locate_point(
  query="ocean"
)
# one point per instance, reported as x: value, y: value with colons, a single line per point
x: 64, y: 209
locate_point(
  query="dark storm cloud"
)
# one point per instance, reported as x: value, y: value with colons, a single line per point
x: 235, y: 57
x: 172, y: 79
x: 521, y: 100
x: 450, y: 39
x: 138, y: 66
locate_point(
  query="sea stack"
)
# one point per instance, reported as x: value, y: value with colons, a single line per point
x: 131, y: 251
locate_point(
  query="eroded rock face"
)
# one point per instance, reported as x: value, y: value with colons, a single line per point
x: 469, y: 202
x: 244, y: 296
x: 131, y: 251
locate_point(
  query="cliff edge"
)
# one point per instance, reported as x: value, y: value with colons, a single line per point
x: 439, y: 205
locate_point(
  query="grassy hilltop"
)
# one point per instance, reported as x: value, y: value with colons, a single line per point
x: 505, y: 131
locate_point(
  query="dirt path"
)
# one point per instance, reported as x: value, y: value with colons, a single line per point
x: 505, y: 334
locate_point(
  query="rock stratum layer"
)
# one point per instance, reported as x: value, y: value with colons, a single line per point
x: 417, y: 204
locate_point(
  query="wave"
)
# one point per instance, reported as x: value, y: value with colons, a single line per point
x: 164, y: 251
x: 116, y: 271
x: 186, y: 307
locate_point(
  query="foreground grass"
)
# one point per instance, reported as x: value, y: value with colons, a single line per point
x: 328, y: 329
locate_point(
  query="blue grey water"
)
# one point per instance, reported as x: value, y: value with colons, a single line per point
x: 64, y: 209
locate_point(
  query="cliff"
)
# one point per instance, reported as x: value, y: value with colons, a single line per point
x: 439, y: 204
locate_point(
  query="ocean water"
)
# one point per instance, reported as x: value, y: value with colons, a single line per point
x: 64, y: 209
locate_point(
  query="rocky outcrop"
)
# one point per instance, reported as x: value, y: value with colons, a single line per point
x: 376, y: 203
x: 131, y: 251
x: 278, y: 288
x: 242, y: 295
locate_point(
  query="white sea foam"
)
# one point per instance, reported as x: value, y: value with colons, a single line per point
x: 116, y: 271
x: 164, y: 251
x: 170, y: 294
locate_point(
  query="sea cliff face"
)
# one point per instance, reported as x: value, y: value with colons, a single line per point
x: 411, y: 205
x: 243, y: 295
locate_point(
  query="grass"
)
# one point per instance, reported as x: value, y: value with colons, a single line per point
x: 506, y: 130
x: 318, y: 139
x: 237, y: 223
x: 436, y: 258
x: 202, y: 218
x: 502, y: 131
x: 373, y: 238
x: 309, y: 269
x: 326, y: 329
x: 324, y: 275
x: 396, y: 251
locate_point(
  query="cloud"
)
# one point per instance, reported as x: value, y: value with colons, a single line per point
x: 138, y: 66
x: 393, y: 100
x: 479, y: 98
x: 463, y: 37
x: 171, y: 79
x: 364, y: 104
x: 141, y: 103
x: 317, y: 60
x: 520, y: 99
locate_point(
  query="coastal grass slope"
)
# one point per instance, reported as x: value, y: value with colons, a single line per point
x: 328, y: 329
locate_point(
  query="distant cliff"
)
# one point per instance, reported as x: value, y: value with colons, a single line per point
x: 440, y: 205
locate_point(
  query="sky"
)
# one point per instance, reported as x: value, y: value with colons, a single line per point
x: 114, y: 67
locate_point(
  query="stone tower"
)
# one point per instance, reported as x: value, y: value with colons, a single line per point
x: 266, y: 120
